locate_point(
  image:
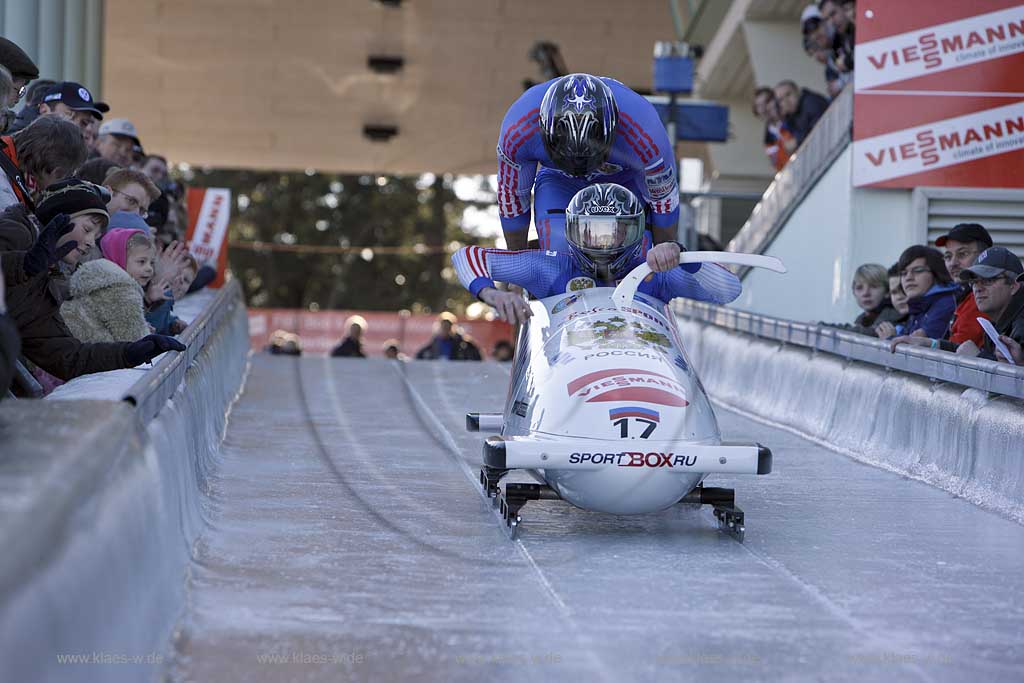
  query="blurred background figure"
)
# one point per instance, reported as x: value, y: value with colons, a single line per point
x: 283, y: 343
x: 351, y: 346
x: 502, y: 351
x: 393, y: 351
x: 448, y: 344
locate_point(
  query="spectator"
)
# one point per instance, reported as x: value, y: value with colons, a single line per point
x: 996, y: 280
x: 932, y: 296
x: 130, y: 221
x: 961, y: 247
x: 819, y: 42
x: 1015, y: 348
x: 10, y: 344
x: 21, y: 67
x: 186, y: 276
x: 36, y: 157
x: 131, y: 191
x: 503, y: 351
x: 117, y: 141
x: 871, y: 290
x: 155, y: 166
x: 34, y: 95
x: 284, y: 343
x: 34, y: 302
x: 840, y: 16
x: 351, y: 346
x: 106, y: 304
x: 447, y: 343
x: 8, y: 98
x: 72, y: 101
x: 392, y: 351
x: 776, y: 134
x: 159, y: 287
x: 800, y: 110
x: 887, y: 330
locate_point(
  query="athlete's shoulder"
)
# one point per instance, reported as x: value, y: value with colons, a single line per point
x: 528, y: 101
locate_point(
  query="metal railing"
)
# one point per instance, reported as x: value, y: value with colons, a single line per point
x: 823, y: 145
x: 997, y: 378
x: 153, y: 390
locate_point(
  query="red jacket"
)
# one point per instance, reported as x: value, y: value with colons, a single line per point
x: 965, y: 322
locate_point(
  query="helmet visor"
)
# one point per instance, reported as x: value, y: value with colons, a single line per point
x: 604, y: 236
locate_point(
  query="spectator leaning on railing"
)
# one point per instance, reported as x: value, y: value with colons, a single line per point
x: 961, y: 247
x: 32, y: 159
x: 776, y: 135
x: 800, y: 110
x: 996, y: 280
x: 932, y: 296
x: 890, y: 328
x: 871, y: 290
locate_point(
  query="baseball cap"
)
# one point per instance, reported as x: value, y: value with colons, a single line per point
x: 120, y: 127
x: 966, y: 232
x: 994, y: 262
x: 77, y: 97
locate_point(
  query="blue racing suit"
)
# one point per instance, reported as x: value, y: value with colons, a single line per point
x: 641, y: 159
x: 546, y: 273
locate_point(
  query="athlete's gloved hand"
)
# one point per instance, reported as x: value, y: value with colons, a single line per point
x: 510, y: 306
x: 45, y: 252
x: 149, y: 347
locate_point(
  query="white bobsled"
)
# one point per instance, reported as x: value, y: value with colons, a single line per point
x: 606, y: 412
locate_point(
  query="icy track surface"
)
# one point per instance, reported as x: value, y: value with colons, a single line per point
x: 349, y: 542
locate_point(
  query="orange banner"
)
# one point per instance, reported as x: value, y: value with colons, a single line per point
x: 321, y: 331
x: 209, y: 211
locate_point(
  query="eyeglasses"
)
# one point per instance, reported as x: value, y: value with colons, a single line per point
x: 22, y: 90
x: 133, y: 202
x: 920, y: 270
x: 987, y: 282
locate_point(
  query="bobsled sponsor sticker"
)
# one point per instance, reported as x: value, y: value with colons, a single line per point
x: 623, y: 384
x: 605, y: 309
x: 645, y: 421
x: 578, y: 283
x: 634, y: 459
x: 564, y: 304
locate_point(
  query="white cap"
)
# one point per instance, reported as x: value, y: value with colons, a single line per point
x: 120, y: 127
x: 810, y: 12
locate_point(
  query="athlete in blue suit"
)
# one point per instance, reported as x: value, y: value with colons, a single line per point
x: 581, y: 130
x: 604, y: 234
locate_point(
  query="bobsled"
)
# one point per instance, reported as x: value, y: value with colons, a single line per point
x: 605, y: 411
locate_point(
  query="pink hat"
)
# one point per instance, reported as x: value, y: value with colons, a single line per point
x: 114, y: 245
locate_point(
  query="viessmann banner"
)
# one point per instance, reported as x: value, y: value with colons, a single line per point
x: 939, y: 96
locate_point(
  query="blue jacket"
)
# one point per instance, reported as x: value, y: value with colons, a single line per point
x: 932, y: 311
x: 161, y: 317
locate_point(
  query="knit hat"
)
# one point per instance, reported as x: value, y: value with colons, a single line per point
x: 129, y: 220
x: 17, y: 62
x: 74, y: 197
x: 114, y: 245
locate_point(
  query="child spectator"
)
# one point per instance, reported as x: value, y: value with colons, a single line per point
x: 34, y: 304
x: 887, y: 330
x: 871, y: 290
x: 106, y: 304
x: 932, y: 296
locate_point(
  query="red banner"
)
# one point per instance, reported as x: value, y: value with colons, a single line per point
x: 209, y: 211
x: 939, y: 94
x: 321, y: 331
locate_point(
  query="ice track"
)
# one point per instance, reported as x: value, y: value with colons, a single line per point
x: 349, y: 542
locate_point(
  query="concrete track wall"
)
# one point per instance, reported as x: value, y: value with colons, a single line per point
x: 966, y: 441
x: 99, y: 516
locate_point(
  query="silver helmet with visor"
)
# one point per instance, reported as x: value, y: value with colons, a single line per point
x: 604, y: 226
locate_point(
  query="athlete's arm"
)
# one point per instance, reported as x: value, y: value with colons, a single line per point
x: 700, y: 281
x: 478, y: 268
x: 517, y: 167
x: 643, y: 129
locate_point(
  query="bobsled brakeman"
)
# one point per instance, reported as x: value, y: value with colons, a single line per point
x: 604, y: 409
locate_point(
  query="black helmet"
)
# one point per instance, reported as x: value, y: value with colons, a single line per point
x: 578, y: 116
x: 604, y: 226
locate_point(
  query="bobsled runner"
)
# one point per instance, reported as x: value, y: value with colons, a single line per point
x: 605, y: 411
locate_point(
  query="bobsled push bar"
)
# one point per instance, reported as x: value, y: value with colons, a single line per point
x: 595, y: 454
x: 484, y: 422
x: 624, y: 293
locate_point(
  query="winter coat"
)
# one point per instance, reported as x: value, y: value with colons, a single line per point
x: 19, y: 228
x: 34, y: 303
x: 965, y: 321
x: 458, y: 349
x: 348, y: 348
x: 868, y: 320
x: 106, y: 304
x: 932, y: 311
x: 10, y: 349
x: 161, y: 316
x: 1010, y: 324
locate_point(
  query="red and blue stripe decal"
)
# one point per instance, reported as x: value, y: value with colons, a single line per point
x: 634, y: 411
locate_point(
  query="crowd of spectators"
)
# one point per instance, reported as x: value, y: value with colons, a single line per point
x: 937, y: 299
x: 91, y: 235
x: 789, y: 112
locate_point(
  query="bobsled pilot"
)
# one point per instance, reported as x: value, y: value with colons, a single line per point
x: 580, y: 130
x: 604, y: 234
